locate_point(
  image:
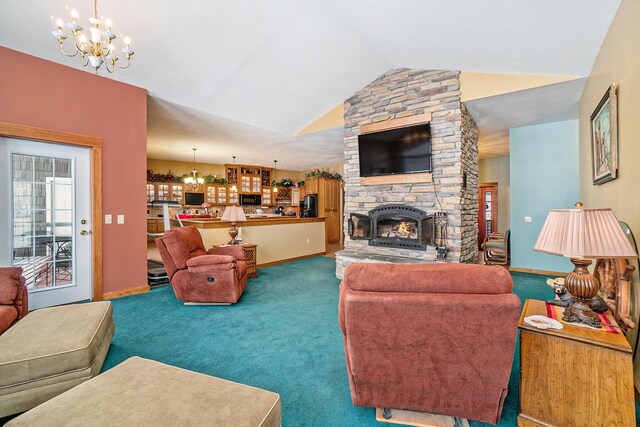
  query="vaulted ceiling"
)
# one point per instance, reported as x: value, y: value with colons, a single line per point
x: 275, y: 67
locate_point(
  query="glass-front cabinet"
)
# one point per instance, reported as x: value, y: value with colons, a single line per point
x: 245, y: 184
x: 256, y: 183
x: 177, y: 193
x: 210, y: 195
x: 267, y: 199
x: 233, y: 196
x: 221, y: 195
x: 151, y: 192
x: 162, y: 191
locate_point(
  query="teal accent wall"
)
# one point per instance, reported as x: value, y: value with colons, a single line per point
x: 544, y: 175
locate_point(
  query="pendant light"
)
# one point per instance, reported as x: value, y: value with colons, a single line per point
x: 275, y: 168
x: 194, y: 180
x: 233, y: 187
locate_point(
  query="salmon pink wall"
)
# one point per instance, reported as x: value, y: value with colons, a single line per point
x: 44, y: 94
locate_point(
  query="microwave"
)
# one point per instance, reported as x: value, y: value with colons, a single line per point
x: 250, y: 199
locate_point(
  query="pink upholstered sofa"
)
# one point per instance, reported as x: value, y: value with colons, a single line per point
x: 13, y: 297
x: 218, y: 275
x: 436, y: 338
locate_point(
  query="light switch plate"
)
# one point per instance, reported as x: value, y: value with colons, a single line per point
x: 108, y: 219
x: 120, y: 219
x: 528, y: 219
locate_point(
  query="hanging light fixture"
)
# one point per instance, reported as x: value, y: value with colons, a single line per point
x: 233, y: 187
x: 96, y: 50
x: 275, y: 168
x: 194, y: 180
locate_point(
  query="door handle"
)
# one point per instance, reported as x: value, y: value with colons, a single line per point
x: 84, y: 232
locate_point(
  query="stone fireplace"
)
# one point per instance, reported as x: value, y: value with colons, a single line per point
x: 393, y: 221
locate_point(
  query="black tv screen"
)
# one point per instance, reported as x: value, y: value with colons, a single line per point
x: 404, y: 150
x: 192, y: 199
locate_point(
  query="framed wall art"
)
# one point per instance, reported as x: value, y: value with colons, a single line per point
x: 604, y: 138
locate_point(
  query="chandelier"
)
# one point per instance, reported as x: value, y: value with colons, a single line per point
x: 194, y: 180
x: 99, y: 48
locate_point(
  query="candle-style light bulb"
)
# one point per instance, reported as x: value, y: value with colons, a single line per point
x: 74, y: 14
x: 82, y: 39
x: 108, y: 23
x: 127, y: 40
x: 59, y: 24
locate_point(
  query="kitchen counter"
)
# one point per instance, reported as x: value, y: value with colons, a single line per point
x: 253, y: 221
x: 279, y: 238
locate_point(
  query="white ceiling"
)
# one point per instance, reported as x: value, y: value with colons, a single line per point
x: 495, y: 115
x: 279, y: 65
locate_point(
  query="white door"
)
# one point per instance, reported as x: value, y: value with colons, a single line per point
x: 45, y: 203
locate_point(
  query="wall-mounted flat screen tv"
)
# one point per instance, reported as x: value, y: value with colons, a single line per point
x: 404, y: 150
x: 192, y: 199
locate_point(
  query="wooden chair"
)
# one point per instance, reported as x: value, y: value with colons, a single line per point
x: 496, y: 248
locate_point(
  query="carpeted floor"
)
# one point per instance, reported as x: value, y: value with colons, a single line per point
x: 282, y: 336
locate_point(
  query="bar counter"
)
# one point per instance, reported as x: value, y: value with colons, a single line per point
x: 279, y: 239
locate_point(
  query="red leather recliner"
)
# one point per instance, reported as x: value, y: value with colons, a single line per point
x: 14, y: 297
x: 436, y: 338
x: 218, y: 275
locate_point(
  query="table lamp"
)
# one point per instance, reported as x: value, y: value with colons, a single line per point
x: 582, y: 235
x: 234, y: 214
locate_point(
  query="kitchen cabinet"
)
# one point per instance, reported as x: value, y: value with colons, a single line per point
x: 267, y: 197
x: 233, y: 199
x: 311, y: 185
x: 296, y: 195
x: 329, y: 206
x: 266, y: 174
x: 216, y: 195
x: 232, y: 173
x: 165, y: 191
x: 151, y: 192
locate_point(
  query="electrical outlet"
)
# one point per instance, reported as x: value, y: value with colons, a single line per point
x: 120, y: 219
x: 307, y: 240
x: 108, y: 219
x: 528, y: 219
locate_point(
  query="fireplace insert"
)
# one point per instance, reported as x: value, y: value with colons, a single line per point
x: 394, y: 226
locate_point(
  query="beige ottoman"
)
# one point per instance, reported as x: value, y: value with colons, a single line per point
x: 50, y: 351
x: 142, y: 392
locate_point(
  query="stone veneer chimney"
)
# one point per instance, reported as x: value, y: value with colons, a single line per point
x: 401, y: 93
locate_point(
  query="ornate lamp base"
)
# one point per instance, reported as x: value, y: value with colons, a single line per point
x: 582, y: 286
x: 233, y: 232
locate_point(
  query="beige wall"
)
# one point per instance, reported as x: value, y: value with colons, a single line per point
x: 275, y: 242
x: 618, y: 63
x: 180, y: 168
x: 333, y: 168
x: 497, y: 170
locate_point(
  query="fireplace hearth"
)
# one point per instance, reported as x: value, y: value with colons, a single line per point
x: 394, y: 226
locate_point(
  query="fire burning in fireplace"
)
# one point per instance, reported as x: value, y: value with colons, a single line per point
x: 398, y: 230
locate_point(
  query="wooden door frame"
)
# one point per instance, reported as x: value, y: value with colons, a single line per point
x: 12, y: 130
x: 494, y: 204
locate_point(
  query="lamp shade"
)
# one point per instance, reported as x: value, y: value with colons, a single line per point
x: 233, y: 213
x: 584, y: 233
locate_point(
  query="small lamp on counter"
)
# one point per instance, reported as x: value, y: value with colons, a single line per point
x: 583, y: 235
x: 234, y: 214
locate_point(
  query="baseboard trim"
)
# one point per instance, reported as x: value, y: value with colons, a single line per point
x: 540, y: 272
x: 282, y: 261
x: 126, y: 292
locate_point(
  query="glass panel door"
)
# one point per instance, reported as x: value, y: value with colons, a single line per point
x: 45, y: 194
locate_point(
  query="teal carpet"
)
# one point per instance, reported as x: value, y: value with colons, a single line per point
x: 282, y: 336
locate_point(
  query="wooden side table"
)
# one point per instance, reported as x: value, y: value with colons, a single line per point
x: 575, y: 376
x: 251, y: 256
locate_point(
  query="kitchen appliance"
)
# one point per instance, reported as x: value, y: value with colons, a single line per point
x: 250, y: 199
x: 310, y: 206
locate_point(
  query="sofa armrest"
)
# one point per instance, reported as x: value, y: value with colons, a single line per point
x: 236, y: 251
x: 13, y: 290
x: 204, y: 260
